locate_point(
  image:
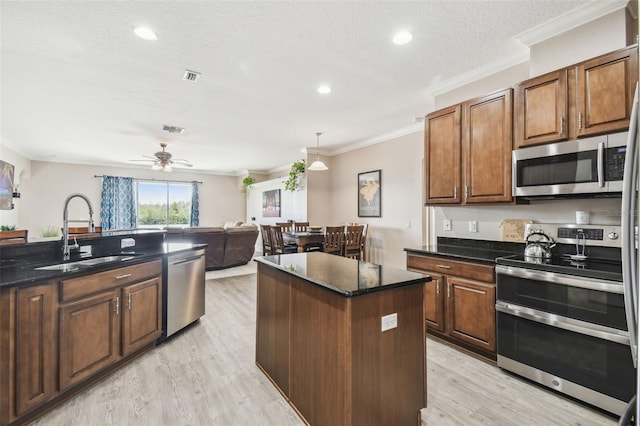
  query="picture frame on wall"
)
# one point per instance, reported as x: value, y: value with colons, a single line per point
x: 271, y: 203
x: 6, y: 185
x: 369, y: 194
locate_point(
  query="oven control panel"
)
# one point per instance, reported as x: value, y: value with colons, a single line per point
x: 591, y: 235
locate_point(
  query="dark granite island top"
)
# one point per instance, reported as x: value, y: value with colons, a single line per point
x: 343, y: 340
x: 346, y: 276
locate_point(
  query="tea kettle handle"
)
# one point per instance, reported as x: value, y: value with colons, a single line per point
x: 549, y: 239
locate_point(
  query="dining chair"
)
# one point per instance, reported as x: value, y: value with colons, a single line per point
x: 286, y: 226
x: 353, y: 241
x: 364, y: 240
x: 333, y: 238
x: 301, y: 226
x: 278, y: 246
x: 265, y: 232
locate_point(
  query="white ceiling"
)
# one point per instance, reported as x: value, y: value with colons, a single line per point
x: 78, y: 86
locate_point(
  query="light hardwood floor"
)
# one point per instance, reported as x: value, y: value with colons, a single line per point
x: 207, y: 375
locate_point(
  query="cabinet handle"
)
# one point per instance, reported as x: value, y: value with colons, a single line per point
x: 437, y: 286
x: 448, y: 290
x: 119, y: 277
x: 117, y: 307
x: 466, y: 192
x: 579, y: 120
x: 129, y: 301
x: 443, y: 266
x: 455, y: 192
x: 561, y: 125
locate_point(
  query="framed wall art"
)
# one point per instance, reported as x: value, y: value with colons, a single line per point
x: 6, y: 186
x: 271, y: 203
x: 369, y: 194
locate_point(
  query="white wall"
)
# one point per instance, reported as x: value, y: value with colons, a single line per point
x: 22, y: 170
x: 400, y: 162
x: 49, y: 184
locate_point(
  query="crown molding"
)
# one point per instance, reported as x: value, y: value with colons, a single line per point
x: 569, y: 20
x: 418, y: 127
x: 479, y: 72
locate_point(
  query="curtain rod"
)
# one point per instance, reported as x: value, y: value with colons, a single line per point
x: 159, y: 180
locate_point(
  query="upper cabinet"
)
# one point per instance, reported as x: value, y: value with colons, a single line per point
x: 468, y: 151
x: 592, y: 97
x: 604, y: 92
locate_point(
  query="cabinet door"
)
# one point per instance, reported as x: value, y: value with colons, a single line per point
x: 471, y: 309
x: 604, y: 92
x: 542, y: 109
x: 442, y: 156
x: 141, y: 314
x: 434, y: 302
x: 35, y: 347
x: 486, y: 147
x: 89, y: 336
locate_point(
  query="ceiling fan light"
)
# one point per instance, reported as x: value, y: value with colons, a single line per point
x: 318, y: 166
x: 167, y: 168
x: 156, y: 166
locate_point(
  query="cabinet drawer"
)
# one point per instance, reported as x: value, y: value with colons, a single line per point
x: 83, y: 286
x: 458, y: 268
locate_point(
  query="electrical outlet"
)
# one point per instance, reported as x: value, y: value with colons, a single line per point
x: 446, y: 224
x: 473, y: 226
x: 388, y: 322
x: 127, y: 242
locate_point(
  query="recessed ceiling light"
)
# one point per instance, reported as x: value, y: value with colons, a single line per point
x: 403, y: 37
x: 324, y: 89
x: 145, y: 33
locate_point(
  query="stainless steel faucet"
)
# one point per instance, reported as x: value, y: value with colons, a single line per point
x: 66, y: 255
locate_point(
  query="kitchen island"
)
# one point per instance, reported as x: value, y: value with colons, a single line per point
x: 343, y: 340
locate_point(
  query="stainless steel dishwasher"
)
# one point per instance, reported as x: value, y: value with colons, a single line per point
x: 184, y: 290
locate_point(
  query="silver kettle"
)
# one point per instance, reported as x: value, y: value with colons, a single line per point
x: 539, y: 248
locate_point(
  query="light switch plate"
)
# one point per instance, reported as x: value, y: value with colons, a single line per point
x: 389, y: 321
x: 446, y: 224
x: 473, y: 226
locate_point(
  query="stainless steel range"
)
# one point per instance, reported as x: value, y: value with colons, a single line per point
x: 561, y: 321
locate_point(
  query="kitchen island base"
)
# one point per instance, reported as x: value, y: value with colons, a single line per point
x: 327, y: 353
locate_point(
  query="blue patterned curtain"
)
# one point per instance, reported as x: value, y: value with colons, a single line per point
x: 118, y: 203
x: 195, y: 205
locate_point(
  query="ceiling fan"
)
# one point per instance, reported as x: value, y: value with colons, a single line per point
x: 162, y: 160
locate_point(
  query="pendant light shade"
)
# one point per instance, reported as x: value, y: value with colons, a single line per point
x: 318, y: 165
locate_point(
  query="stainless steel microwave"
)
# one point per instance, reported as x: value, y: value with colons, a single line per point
x: 586, y: 166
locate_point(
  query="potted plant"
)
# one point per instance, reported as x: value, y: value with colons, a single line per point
x: 293, y: 181
x: 247, y: 182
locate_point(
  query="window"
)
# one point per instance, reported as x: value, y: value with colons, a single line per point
x: 162, y: 204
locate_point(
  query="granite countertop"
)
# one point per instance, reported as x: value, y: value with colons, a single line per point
x: 21, y: 271
x: 468, y: 249
x: 348, y: 277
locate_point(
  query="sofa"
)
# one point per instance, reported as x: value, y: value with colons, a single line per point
x: 231, y: 245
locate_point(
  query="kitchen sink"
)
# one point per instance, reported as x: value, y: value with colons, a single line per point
x: 73, y: 266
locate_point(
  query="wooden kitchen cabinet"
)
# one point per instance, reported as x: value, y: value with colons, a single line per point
x: 35, y: 346
x: 442, y: 156
x: 107, y: 316
x: 89, y: 337
x: 589, y: 98
x: 470, y: 143
x: 459, y: 302
x: 604, y: 92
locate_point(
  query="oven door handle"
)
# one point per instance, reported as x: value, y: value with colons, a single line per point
x: 569, y: 324
x: 556, y: 278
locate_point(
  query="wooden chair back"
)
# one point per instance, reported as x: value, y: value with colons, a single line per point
x: 278, y: 245
x: 265, y: 232
x: 285, y: 226
x: 13, y: 237
x: 301, y: 226
x: 333, y: 239
x: 353, y: 241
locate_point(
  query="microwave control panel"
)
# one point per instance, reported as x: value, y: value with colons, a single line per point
x: 614, y: 169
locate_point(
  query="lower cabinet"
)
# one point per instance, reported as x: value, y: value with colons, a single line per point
x: 459, y: 301
x: 58, y: 334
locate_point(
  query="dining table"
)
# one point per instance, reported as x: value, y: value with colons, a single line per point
x: 304, y: 239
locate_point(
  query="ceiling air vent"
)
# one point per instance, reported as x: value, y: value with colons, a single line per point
x: 191, y: 75
x: 172, y: 129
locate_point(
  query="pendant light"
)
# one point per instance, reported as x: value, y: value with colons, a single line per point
x: 318, y: 165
